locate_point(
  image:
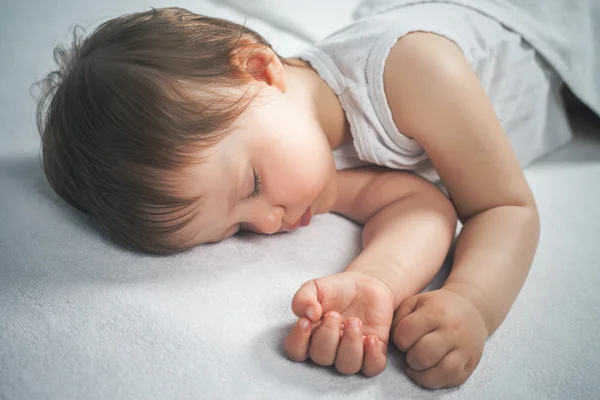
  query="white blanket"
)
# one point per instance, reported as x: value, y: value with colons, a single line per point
x: 565, y: 32
x: 81, y: 318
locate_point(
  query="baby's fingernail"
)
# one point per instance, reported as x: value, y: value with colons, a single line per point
x: 354, y: 323
x: 303, y: 323
x: 310, y: 313
x: 371, y: 341
x: 334, y: 314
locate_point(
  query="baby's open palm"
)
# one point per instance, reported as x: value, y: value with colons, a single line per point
x: 344, y: 319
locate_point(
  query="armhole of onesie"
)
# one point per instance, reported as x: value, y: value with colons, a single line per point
x: 325, y: 68
x: 374, y: 73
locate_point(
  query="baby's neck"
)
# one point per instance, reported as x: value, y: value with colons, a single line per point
x: 323, y: 102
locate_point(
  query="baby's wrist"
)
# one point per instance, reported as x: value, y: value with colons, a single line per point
x: 474, y: 296
x: 390, y: 279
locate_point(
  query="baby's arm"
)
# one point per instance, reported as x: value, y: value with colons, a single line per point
x: 408, y: 227
x: 437, y: 99
x: 408, y: 223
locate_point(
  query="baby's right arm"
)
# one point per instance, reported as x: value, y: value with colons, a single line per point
x: 408, y: 227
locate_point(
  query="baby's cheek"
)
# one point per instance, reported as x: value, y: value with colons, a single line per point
x: 311, y: 182
x: 308, y: 169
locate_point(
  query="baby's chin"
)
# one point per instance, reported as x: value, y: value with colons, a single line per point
x: 321, y: 210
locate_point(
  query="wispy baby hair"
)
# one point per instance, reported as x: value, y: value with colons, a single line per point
x: 130, y: 103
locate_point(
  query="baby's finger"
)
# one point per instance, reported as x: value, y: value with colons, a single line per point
x: 450, y: 369
x: 407, y: 307
x: 349, y: 358
x: 325, y: 339
x: 412, y: 328
x: 306, y: 302
x: 429, y: 350
x: 296, y: 342
x: 374, y: 360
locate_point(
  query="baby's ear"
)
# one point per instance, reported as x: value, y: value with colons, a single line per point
x: 252, y: 60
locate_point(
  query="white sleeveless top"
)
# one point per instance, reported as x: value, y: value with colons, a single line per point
x: 522, y: 87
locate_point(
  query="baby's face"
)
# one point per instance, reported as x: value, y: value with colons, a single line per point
x: 271, y: 174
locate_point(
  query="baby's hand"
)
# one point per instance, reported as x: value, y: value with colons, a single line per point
x: 344, y: 320
x: 443, y: 335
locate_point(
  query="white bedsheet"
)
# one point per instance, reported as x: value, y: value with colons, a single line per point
x: 83, y: 319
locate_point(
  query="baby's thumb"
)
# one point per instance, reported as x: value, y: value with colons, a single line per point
x: 306, y: 302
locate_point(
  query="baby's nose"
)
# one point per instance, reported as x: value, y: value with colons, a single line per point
x: 269, y: 221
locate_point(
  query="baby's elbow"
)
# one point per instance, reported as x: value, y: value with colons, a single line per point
x: 442, y: 214
x: 533, y: 217
x: 448, y: 216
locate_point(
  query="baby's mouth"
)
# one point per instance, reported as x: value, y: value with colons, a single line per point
x: 303, y: 221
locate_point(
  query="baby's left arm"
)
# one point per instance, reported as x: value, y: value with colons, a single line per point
x: 437, y: 99
x: 408, y: 227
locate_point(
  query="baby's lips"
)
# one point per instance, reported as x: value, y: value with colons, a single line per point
x: 305, y: 220
x: 288, y: 228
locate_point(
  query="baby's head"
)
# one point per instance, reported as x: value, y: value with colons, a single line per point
x: 174, y: 129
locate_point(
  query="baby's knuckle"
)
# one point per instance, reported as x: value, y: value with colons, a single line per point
x: 457, y: 323
x: 454, y: 365
x: 405, y: 308
x: 426, y: 359
x: 412, y: 360
x: 422, y: 356
x: 439, y: 311
x: 470, y: 367
x: 431, y: 318
x: 401, y: 340
x: 472, y: 362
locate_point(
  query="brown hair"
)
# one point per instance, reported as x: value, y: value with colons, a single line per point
x: 119, y: 111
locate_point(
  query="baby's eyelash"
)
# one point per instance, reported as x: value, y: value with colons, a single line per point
x: 257, y: 185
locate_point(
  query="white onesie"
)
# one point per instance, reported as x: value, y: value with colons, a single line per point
x: 523, y: 88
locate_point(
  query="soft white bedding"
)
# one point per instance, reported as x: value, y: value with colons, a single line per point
x: 83, y: 319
